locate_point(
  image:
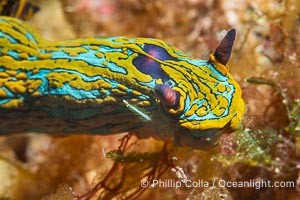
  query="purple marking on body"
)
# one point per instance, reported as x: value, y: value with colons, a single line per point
x: 158, y: 52
x: 150, y: 66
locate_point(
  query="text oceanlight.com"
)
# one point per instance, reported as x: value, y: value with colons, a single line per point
x: 252, y: 183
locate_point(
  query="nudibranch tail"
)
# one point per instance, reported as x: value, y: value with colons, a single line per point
x: 224, y: 49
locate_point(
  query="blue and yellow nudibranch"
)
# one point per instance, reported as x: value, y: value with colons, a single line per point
x: 105, y: 85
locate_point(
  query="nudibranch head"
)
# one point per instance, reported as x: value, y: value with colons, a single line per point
x: 200, y: 95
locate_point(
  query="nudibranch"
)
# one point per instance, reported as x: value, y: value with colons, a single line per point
x: 106, y: 85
